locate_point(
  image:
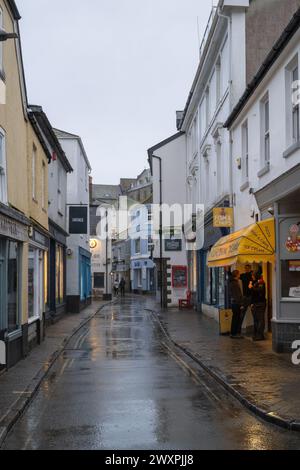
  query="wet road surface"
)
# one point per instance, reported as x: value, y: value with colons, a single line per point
x: 119, y: 385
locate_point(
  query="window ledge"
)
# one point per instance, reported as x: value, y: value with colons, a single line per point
x: 264, y: 170
x: 33, y: 320
x: 245, y: 186
x: 291, y: 150
x: 14, y: 335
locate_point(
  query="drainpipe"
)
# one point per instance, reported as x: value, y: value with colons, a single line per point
x: 160, y: 232
x: 229, y: 21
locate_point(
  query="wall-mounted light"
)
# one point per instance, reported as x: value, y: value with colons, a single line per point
x: 93, y: 244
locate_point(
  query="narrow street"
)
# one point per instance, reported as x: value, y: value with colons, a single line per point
x: 119, y: 386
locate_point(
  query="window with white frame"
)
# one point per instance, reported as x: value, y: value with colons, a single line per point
x: 295, y: 107
x: 35, y: 283
x: 265, y: 123
x: 245, y: 152
x: 138, y: 246
x: 203, y: 124
x: 218, y: 80
x: 33, y: 171
x: 292, y: 102
x: 59, y: 190
x: 194, y: 137
x: 207, y: 104
x: 3, y: 177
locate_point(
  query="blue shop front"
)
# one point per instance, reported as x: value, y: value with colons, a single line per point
x: 143, y: 276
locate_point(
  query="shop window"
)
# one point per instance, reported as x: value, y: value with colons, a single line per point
x: 59, y: 274
x: 290, y: 275
x: 98, y: 280
x: 13, y: 286
x: 137, y: 245
x: 35, y: 283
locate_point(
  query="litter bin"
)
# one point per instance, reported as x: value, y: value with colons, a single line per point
x: 225, y: 320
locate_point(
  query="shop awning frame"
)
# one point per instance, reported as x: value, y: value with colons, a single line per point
x: 254, y: 244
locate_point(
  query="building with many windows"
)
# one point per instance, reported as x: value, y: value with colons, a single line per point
x: 55, y: 262
x: 266, y: 175
x: 79, y: 281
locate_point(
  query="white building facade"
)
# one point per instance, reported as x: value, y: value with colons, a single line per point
x: 266, y: 176
x: 220, y: 80
x: 167, y: 162
x: 79, y: 289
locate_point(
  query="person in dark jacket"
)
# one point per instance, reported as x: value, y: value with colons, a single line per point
x: 237, y: 305
x: 246, y: 278
x: 258, y: 306
x: 122, y: 286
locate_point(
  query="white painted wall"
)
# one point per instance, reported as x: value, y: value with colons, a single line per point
x: 57, y: 172
x: 173, y: 155
x: 77, y: 194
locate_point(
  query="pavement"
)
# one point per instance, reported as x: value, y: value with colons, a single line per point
x: 121, y: 384
x: 19, y: 384
x: 266, y: 383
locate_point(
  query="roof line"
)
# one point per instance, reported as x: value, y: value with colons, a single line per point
x: 165, y: 142
x: 14, y: 9
x: 271, y: 58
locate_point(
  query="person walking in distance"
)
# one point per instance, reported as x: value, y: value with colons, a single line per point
x: 122, y: 287
x: 258, y: 306
x: 237, y: 305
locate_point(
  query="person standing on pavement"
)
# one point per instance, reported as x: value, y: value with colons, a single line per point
x: 258, y: 306
x: 246, y: 278
x: 237, y: 305
x: 122, y: 286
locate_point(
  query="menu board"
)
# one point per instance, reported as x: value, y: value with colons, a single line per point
x: 179, y: 277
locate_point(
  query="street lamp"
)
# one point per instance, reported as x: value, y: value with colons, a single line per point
x: 4, y: 36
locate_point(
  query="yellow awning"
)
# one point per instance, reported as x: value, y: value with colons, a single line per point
x: 255, y: 243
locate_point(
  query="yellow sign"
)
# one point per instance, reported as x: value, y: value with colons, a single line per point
x: 255, y: 243
x: 223, y: 217
x: 225, y: 318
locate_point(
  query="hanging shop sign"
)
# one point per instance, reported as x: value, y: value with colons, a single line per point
x: 78, y: 220
x: 13, y: 229
x: 173, y: 245
x: 179, y: 277
x: 223, y: 217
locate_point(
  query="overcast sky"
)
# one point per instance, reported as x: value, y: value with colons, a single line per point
x: 112, y: 71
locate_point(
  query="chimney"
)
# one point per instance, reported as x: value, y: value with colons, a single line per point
x: 179, y: 118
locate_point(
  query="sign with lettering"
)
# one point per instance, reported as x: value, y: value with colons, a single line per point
x: 179, y: 277
x: 223, y: 217
x: 13, y: 229
x: 78, y: 220
x: 173, y: 245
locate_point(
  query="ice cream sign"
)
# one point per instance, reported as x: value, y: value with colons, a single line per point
x: 293, y: 241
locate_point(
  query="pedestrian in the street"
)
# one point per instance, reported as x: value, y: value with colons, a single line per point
x: 258, y: 306
x: 116, y: 288
x: 246, y: 278
x: 122, y: 286
x: 237, y: 305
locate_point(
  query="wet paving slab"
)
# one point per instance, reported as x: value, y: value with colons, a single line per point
x: 119, y: 386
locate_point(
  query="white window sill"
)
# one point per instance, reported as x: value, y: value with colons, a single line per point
x: 245, y: 186
x: 291, y: 150
x: 290, y: 299
x: 264, y: 170
x: 14, y: 335
x: 33, y: 320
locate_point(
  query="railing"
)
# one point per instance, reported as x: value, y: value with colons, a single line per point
x: 208, y: 28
